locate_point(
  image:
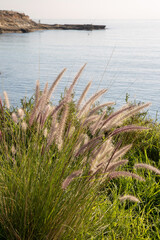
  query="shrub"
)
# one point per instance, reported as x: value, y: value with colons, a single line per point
x: 56, y: 159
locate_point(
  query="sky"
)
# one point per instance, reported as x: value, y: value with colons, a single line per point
x: 85, y: 9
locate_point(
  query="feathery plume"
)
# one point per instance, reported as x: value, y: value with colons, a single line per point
x: 86, y: 139
x: 104, y: 149
x: 127, y: 129
x: 44, y: 115
x: 24, y: 126
x: 112, y: 155
x: 81, y: 141
x: 71, y: 131
x: 52, y: 134
x: 96, y: 151
x: 91, y: 101
x: 110, y: 120
x: 130, y: 198
x: 100, y: 107
x: 99, y: 158
x: 45, y: 132
x: 56, y: 109
x: 70, y: 178
x: 83, y: 94
x: 120, y: 153
x: 45, y: 88
x: 37, y: 94
x: 54, y: 125
x: 44, y: 95
x: 88, y: 145
x: 6, y: 99
x: 124, y: 113
x: 39, y: 107
x: 21, y: 113
x: 13, y: 150
x: 98, y: 123
x: 75, y: 79
x: 54, y: 84
x: 62, y: 124
x: 134, y: 111
x: 34, y: 112
x: 113, y: 166
x: 118, y: 174
x: 14, y: 117
x: 147, y: 166
x: 90, y: 120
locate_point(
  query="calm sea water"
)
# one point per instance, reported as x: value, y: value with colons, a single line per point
x: 125, y: 58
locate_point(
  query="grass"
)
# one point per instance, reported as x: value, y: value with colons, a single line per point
x: 64, y: 169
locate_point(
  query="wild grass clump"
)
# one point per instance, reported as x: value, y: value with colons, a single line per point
x: 56, y: 161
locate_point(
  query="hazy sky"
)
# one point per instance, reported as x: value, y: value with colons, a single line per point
x: 89, y: 9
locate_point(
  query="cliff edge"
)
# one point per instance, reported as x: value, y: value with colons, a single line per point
x: 11, y: 21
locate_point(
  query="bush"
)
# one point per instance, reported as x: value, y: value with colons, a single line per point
x: 56, y: 162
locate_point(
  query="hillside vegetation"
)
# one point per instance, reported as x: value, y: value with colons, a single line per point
x: 78, y: 170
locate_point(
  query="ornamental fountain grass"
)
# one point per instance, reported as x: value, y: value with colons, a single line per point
x: 55, y: 161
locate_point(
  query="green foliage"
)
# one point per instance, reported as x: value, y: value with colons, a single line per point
x: 51, y: 185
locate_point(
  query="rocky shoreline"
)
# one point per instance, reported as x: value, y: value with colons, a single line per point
x: 11, y: 21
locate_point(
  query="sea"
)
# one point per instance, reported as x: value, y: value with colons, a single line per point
x: 124, y: 58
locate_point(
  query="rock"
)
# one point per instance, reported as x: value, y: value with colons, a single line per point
x: 11, y: 21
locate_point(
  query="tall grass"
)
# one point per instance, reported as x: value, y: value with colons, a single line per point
x: 56, y: 161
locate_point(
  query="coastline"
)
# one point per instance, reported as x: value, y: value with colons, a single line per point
x: 11, y: 21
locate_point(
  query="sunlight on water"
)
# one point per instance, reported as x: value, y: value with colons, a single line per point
x: 125, y: 58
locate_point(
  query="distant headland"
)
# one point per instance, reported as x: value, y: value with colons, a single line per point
x: 11, y: 21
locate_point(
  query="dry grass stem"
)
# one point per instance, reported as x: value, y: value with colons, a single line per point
x: 53, y: 131
x: 14, y: 117
x: 113, y: 166
x: 54, y: 84
x: 120, y: 153
x: 130, y: 198
x: 6, y: 99
x: 110, y: 121
x: 88, y: 145
x: 56, y: 109
x: 75, y: 79
x: 134, y: 111
x: 37, y: 93
x: 45, y: 132
x: 100, y: 107
x: 127, y: 129
x: 36, y: 110
x: 44, y: 98
x: 101, y: 156
x: 90, y: 120
x: 118, y: 174
x: 147, y: 166
x: 44, y: 116
x: 83, y: 94
x: 70, y: 178
x: 62, y: 124
x: 24, y: 126
x: 97, y: 125
x: 71, y: 131
x: 21, y: 113
x: 13, y: 150
x: 88, y: 104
